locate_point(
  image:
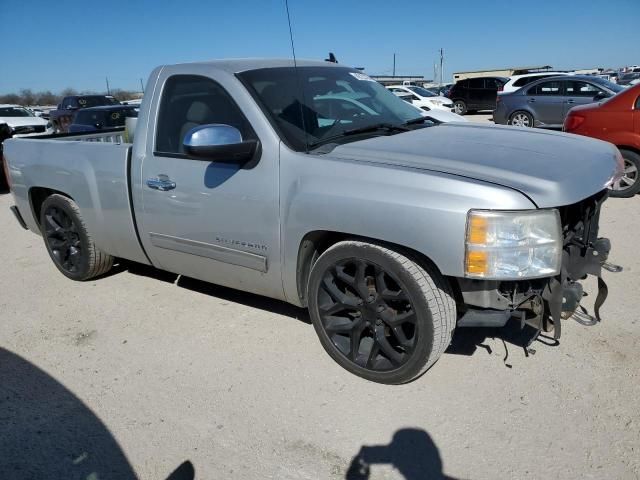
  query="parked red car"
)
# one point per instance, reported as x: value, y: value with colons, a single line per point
x: 616, y: 120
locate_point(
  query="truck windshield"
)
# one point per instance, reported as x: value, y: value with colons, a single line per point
x: 315, y: 104
x: 15, y: 112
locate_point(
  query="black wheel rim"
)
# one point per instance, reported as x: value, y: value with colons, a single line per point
x: 368, y: 315
x: 63, y: 239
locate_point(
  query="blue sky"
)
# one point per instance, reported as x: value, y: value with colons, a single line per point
x: 72, y: 43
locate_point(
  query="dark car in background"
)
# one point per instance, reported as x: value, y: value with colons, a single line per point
x: 62, y: 117
x: 99, y: 118
x: 472, y: 94
x: 545, y: 103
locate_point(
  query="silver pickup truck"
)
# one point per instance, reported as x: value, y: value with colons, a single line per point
x: 315, y: 185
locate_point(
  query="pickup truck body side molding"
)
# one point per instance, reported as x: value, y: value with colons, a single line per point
x: 208, y: 250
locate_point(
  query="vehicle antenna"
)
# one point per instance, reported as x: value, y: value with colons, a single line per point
x: 300, y: 89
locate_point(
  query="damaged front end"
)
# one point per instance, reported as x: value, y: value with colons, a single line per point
x: 543, y: 303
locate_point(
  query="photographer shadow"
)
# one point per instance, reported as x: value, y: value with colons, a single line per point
x: 48, y: 432
x: 411, y: 452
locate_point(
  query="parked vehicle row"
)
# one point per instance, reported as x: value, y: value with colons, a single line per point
x: 392, y: 229
x: 546, y: 102
x: 62, y: 116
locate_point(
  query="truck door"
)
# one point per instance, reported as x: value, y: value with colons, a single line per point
x: 215, y: 221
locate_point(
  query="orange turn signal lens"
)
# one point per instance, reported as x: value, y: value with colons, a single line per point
x: 477, y: 262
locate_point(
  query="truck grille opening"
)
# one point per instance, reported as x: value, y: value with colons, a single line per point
x: 580, y: 221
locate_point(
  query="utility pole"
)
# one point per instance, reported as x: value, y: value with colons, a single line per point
x: 394, y: 64
x: 141, y: 86
x: 108, y: 90
x: 441, y: 62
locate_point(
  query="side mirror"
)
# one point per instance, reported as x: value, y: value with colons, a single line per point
x: 601, y: 96
x: 220, y: 143
x: 71, y: 107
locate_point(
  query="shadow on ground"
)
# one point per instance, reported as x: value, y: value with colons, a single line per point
x: 217, y: 291
x: 411, y: 452
x: 466, y: 341
x: 48, y: 432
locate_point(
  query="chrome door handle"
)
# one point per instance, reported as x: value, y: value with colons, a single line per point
x: 532, y: 100
x: 161, y: 183
x: 571, y: 101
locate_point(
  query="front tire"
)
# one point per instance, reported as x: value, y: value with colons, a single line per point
x: 68, y: 242
x: 629, y: 184
x: 380, y: 314
x: 521, y: 119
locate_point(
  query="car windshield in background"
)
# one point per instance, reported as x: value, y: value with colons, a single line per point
x: 314, y: 105
x: 607, y: 84
x: 97, y: 101
x: 423, y: 92
x: 15, y: 112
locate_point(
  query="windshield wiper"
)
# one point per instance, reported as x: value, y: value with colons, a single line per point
x: 414, y: 121
x: 389, y: 127
x: 376, y: 127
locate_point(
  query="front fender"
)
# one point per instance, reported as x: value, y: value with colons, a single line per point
x: 421, y: 210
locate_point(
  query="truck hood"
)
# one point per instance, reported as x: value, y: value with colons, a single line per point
x: 551, y: 168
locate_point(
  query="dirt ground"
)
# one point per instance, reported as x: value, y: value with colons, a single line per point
x: 134, y: 374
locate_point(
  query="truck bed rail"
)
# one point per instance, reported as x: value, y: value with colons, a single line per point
x: 110, y: 135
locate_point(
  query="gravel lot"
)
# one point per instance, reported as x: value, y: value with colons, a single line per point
x: 131, y: 375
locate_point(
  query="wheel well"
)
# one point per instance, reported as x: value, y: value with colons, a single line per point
x: 631, y: 149
x: 316, y: 243
x: 37, y: 196
x: 521, y: 110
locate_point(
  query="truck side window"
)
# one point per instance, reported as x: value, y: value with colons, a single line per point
x: 191, y: 100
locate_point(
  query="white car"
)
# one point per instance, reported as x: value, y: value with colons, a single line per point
x: 23, y: 122
x: 516, y: 82
x: 347, y: 105
x: 423, y: 98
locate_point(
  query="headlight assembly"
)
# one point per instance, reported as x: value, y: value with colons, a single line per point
x: 513, y: 245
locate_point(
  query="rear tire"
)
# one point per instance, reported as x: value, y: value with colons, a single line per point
x: 521, y: 119
x: 460, y: 107
x: 629, y: 184
x: 68, y: 242
x: 380, y: 314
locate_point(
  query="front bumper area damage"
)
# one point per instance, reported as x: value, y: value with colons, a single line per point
x: 543, y: 303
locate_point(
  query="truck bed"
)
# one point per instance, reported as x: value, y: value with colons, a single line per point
x: 91, y: 168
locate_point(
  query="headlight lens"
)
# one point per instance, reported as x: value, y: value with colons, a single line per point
x: 49, y: 125
x: 512, y: 245
x: 619, y: 171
